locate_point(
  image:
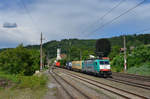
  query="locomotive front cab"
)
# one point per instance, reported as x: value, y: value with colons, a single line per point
x: 104, y: 65
x: 105, y: 68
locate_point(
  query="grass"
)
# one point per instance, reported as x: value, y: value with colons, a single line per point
x: 23, y: 87
x: 143, y: 70
x: 5, y: 76
x: 25, y: 93
x: 32, y: 82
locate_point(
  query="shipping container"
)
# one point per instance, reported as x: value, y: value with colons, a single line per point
x: 77, y: 65
x: 57, y: 64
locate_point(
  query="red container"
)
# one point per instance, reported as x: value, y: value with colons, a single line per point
x: 107, y: 58
x: 58, y: 64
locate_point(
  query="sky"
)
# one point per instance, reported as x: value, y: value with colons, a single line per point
x: 22, y: 21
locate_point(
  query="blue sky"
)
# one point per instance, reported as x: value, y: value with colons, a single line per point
x: 59, y: 19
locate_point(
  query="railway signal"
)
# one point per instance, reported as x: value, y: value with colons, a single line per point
x: 125, y: 57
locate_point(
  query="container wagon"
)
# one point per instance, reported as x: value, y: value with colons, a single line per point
x: 57, y: 64
x: 77, y: 65
x: 69, y: 65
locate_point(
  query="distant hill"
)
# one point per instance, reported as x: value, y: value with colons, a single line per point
x: 89, y: 44
x: 51, y: 47
x: 132, y: 40
x: 4, y: 49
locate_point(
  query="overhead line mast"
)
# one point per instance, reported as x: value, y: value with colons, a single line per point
x: 41, y: 52
x: 125, y: 56
x: 35, y: 25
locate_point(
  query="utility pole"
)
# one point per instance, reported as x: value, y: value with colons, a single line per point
x: 69, y: 50
x: 41, y: 54
x: 125, y: 57
x: 80, y: 55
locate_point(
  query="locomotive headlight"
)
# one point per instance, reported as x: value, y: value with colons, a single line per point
x: 108, y: 66
x: 105, y: 66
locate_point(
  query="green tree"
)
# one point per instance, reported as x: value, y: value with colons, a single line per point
x: 103, y: 47
x: 20, y: 60
x: 114, y: 51
x: 139, y: 56
x: 117, y: 63
x: 75, y: 53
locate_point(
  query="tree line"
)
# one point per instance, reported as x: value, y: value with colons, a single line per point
x: 20, y: 60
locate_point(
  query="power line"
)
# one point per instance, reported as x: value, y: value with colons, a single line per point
x: 101, y: 18
x: 138, y: 32
x: 41, y: 39
x: 147, y: 29
x: 118, y: 16
x: 30, y: 16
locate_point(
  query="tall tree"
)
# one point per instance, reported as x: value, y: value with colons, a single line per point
x: 103, y: 47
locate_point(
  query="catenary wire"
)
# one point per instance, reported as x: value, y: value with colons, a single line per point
x: 107, y: 13
x: 102, y: 26
x: 146, y: 29
x: 28, y: 13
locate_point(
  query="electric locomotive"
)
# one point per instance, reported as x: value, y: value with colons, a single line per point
x: 100, y: 67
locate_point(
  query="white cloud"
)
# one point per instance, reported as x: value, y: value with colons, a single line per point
x: 68, y: 18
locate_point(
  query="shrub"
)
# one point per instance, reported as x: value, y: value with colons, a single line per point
x: 19, y: 60
x: 136, y: 58
x: 143, y: 70
x: 33, y: 82
x: 118, y: 63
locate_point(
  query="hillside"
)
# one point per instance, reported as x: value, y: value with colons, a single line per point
x: 75, y: 44
x: 89, y: 44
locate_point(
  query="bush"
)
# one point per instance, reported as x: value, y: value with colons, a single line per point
x: 118, y: 63
x: 19, y: 60
x: 143, y: 70
x: 115, y: 50
x: 33, y: 82
x: 12, y: 78
x: 103, y: 47
x: 136, y: 58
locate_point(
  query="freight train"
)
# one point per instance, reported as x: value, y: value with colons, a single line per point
x: 99, y: 67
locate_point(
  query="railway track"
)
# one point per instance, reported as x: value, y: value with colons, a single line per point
x: 54, y: 74
x: 50, y: 72
x: 132, y: 76
x: 131, y: 83
x: 120, y: 92
x: 135, y: 84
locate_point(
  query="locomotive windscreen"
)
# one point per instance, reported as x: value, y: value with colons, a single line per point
x: 104, y: 62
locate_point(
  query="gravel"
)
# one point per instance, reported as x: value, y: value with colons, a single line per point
x: 136, y: 90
